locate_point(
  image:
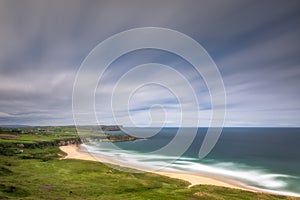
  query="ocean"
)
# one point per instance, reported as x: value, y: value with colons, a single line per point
x: 262, y: 158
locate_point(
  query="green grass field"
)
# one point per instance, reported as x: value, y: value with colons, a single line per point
x: 38, y: 173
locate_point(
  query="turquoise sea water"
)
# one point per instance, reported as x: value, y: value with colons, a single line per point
x: 264, y: 158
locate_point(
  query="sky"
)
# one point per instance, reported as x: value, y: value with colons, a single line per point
x: 255, y: 45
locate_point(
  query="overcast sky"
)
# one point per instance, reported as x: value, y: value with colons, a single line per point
x: 255, y: 45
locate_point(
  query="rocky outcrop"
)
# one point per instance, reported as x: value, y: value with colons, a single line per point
x: 109, y: 138
x: 111, y: 128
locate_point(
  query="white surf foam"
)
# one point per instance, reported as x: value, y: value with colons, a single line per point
x: 258, y: 179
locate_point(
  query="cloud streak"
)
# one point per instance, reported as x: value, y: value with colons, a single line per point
x: 254, y: 44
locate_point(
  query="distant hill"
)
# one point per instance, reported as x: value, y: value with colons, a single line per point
x: 14, y: 126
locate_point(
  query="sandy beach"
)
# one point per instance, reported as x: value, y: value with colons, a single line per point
x: 74, y: 152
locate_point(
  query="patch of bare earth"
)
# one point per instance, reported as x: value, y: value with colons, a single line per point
x: 8, y: 136
x: 47, y: 187
x: 203, y: 195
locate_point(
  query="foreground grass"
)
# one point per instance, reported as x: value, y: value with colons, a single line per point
x: 30, y: 176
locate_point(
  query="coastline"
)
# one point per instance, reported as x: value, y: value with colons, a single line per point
x: 75, y: 152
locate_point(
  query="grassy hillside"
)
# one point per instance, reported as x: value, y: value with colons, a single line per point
x: 38, y: 173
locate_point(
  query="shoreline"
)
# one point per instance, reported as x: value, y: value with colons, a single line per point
x: 75, y: 152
